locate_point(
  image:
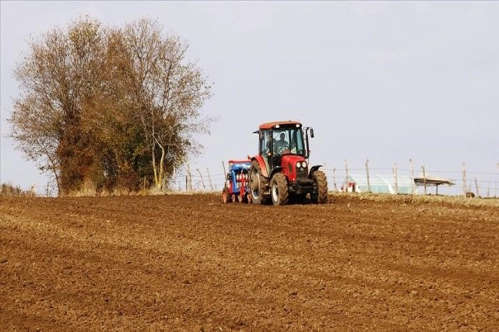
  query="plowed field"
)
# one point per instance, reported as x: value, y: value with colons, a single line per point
x: 190, y: 263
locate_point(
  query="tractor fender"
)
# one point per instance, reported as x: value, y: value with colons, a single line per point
x: 261, y: 162
x: 313, y: 169
x: 278, y: 169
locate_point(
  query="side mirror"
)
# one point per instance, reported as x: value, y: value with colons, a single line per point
x: 312, y: 132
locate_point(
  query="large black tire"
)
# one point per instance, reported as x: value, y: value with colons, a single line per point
x: 279, y: 190
x: 255, y: 183
x: 319, y: 196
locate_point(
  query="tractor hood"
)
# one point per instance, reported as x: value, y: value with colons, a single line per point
x: 294, y: 166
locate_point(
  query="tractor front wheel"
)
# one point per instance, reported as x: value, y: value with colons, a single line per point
x: 319, y: 196
x: 279, y: 190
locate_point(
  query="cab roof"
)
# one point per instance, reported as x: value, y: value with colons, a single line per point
x: 269, y: 125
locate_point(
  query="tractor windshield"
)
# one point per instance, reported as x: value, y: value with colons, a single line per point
x: 288, y: 140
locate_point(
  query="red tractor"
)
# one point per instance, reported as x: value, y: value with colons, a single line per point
x: 280, y: 173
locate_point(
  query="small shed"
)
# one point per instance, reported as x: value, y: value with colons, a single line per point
x: 432, y: 181
x: 380, y: 184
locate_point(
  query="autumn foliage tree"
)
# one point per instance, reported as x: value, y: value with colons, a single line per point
x: 109, y: 108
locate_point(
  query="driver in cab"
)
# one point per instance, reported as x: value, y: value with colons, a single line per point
x: 281, y: 144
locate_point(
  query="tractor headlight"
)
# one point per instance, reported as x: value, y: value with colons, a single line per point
x: 301, y: 164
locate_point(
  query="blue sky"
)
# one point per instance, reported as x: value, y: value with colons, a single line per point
x: 384, y: 81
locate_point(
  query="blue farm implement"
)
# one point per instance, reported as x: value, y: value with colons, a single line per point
x: 236, y: 188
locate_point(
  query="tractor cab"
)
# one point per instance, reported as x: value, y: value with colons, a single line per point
x: 282, y: 139
x: 280, y: 170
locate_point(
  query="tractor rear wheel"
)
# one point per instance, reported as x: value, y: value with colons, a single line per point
x: 279, y: 190
x: 226, y: 196
x: 255, y: 183
x: 319, y: 196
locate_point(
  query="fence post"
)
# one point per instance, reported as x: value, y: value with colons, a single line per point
x: 367, y: 177
x: 201, y: 176
x: 324, y: 168
x: 334, y: 179
x: 346, y: 177
x: 395, y: 178
x: 209, y: 178
x: 424, y: 179
x: 411, y: 167
x: 465, y: 189
x: 189, y: 179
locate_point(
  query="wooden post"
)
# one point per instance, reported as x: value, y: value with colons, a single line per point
x: 209, y: 178
x: 189, y: 179
x: 411, y: 167
x: 465, y: 189
x: 346, y: 176
x: 201, y: 176
x: 324, y: 168
x: 395, y: 178
x: 224, y: 175
x: 424, y: 179
x: 367, y: 176
x: 477, y: 190
x: 334, y: 179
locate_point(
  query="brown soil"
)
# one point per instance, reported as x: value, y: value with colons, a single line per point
x: 190, y: 263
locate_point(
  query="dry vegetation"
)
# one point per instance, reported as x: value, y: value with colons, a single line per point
x: 8, y: 189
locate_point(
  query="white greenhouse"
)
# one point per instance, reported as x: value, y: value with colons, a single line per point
x: 380, y: 184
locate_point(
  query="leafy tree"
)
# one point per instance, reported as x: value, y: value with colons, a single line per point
x: 109, y: 108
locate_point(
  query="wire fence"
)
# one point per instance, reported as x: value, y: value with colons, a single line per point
x: 481, y: 184
x: 461, y: 181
